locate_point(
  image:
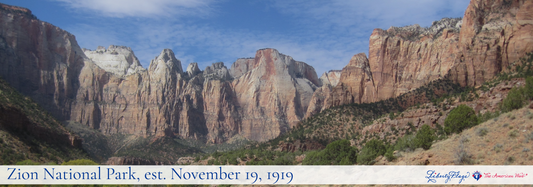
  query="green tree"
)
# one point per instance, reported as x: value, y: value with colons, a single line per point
x: 514, y: 100
x: 459, y: 119
x: 27, y: 162
x: 337, y: 152
x: 425, y: 137
x: 390, y: 153
x: 80, y: 162
x: 371, y: 151
x: 529, y: 88
x: 406, y: 143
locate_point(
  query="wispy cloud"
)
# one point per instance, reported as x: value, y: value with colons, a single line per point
x: 140, y: 8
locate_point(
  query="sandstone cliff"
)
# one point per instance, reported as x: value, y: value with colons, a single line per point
x: 273, y: 93
x: 108, y: 90
x: 199, y: 105
x: 39, y: 59
x: 322, y: 95
x: 118, y: 60
x: 494, y: 34
x: 258, y: 98
x: 491, y: 35
x: 330, y: 78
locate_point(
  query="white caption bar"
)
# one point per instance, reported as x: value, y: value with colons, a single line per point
x: 106, y: 174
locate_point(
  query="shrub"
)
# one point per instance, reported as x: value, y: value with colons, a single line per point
x: 528, y: 90
x: 284, y: 160
x: 529, y: 137
x: 462, y: 157
x: 488, y: 115
x: 509, y: 160
x: 482, y: 131
x: 406, y: 143
x: 498, y: 148
x: 513, y: 134
x: 315, y: 158
x: 514, y: 100
x: 337, y: 152
x: 459, y: 119
x: 425, y: 137
x: 370, y: 151
x: 27, y: 162
x: 390, y: 153
x: 80, y: 162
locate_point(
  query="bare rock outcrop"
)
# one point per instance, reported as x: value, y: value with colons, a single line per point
x: 193, y: 70
x: 322, y: 95
x: 330, y: 78
x: 273, y: 94
x: 118, y: 60
x: 199, y: 105
x: 492, y: 35
x: 258, y: 98
x: 217, y: 71
x: 356, y: 84
x: 241, y: 66
x: 109, y: 91
x: 39, y: 59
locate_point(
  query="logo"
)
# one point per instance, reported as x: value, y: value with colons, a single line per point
x: 477, y: 175
x: 433, y: 176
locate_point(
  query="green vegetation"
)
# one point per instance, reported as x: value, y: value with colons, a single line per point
x: 514, y: 100
x: 346, y: 121
x: 164, y: 149
x: 528, y: 89
x: 425, y: 137
x: 80, y: 162
x: 371, y: 151
x: 336, y: 153
x: 518, y: 97
x: 459, y: 119
x: 29, y: 133
x: 332, y: 126
x: 27, y: 162
x: 487, y: 115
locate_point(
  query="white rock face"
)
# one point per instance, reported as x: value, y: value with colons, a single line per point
x: 331, y: 78
x: 193, y: 69
x: 118, y: 60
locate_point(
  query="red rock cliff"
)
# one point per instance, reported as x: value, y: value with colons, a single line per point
x: 492, y: 34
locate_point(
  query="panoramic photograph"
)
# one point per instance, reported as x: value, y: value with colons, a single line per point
x: 240, y: 84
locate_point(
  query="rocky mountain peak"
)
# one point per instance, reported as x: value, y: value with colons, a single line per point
x: 16, y: 9
x: 119, y: 60
x: 217, y: 71
x: 241, y: 66
x: 193, y: 69
x: 166, y: 60
x: 359, y: 61
x: 415, y: 32
x: 331, y: 77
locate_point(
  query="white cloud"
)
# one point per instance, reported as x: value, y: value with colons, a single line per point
x: 140, y: 8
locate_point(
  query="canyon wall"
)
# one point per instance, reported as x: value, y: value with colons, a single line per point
x: 108, y: 89
x: 469, y: 51
x: 257, y: 98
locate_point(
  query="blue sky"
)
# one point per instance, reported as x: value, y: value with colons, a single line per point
x: 322, y: 33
